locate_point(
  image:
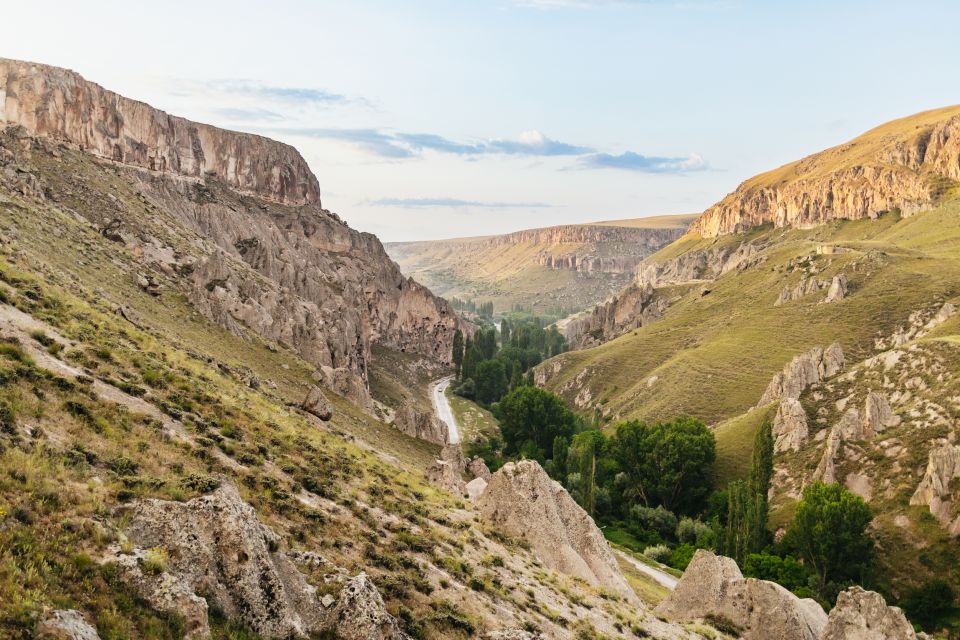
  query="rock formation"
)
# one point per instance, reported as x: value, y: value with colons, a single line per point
x: 633, y: 307
x: 892, y: 167
x: 359, y: 613
x: 66, y: 624
x: 804, y: 370
x: 855, y: 425
x: 712, y: 587
x: 475, y: 488
x: 424, y: 426
x: 836, y: 287
x: 700, y: 264
x: 523, y: 501
x: 317, y: 404
x: 839, y: 286
x: 789, y: 426
x: 447, y: 471
x: 864, y: 615
x: 254, y: 249
x: 935, y: 489
x: 478, y: 468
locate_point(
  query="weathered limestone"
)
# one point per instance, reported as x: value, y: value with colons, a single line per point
x: 877, y: 414
x: 713, y: 587
x: 934, y: 490
x: 864, y: 615
x: 789, y: 426
x: 66, y: 624
x: 475, y: 488
x: 804, y: 370
x: 424, y: 426
x: 839, y: 286
x: 523, y: 501
x: 635, y: 306
x: 447, y: 471
x: 360, y: 614
x: 478, y: 468
x: 317, y: 404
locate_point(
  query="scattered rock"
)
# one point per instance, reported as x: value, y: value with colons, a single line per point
x: 789, y: 426
x: 934, y: 490
x: 713, y: 587
x: 523, y: 501
x: 66, y: 624
x: 511, y: 634
x: 864, y: 615
x: 877, y: 414
x: 804, y: 370
x: 317, y: 404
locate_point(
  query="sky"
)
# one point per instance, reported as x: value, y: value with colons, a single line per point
x: 440, y: 118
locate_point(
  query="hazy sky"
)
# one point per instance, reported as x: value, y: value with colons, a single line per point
x: 433, y: 118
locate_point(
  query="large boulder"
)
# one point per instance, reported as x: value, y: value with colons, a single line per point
x: 789, y: 426
x: 360, y: 614
x: 447, y: 471
x: 421, y: 425
x: 478, y: 468
x: 475, y: 488
x: 712, y: 588
x: 864, y: 615
x: 935, y: 489
x: 66, y: 624
x: 804, y: 370
x: 523, y: 501
x: 317, y: 404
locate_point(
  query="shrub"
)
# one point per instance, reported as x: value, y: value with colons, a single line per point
x: 926, y: 605
x: 659, y: 520
x: 660, y: 553
x: 690, y: 531
x: 681, y: 556
x: 786, y: 571
x: 155, y: 562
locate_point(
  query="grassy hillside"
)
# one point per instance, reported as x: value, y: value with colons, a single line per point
x: 712, y: 355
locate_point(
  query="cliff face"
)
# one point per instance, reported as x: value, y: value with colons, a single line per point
x: 60, y: 104
x: 233, y: 221
x: 905, y: 165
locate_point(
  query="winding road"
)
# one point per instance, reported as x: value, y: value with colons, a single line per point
x: 661, y: 577
x: 442, y: 408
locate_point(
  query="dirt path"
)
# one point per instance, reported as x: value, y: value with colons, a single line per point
x: 661, y: 577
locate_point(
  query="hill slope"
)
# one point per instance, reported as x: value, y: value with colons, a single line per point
x: 553, y: 269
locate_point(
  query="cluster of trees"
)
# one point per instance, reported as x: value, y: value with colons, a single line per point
x: 484, y: 309
x: 489, y: 365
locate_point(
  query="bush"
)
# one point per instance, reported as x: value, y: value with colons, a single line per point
x: 659, y: 520
x: 690, y: 531
x: 681, y: 556
x: 660, y: 553
x: 928, y: 604
x: 785, y: 571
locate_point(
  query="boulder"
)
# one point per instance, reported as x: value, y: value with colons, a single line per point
x: 877, y: 414
x: 478, y: 468
x: 359, y: 613
x: 523, y: 501
x: 216, y: 546
x: 475, y: 488
x: 712, y: 587
x: 804, y: 370
x: 789, y: 426
x: 934, y: 490
x: 838, y: 288
x: 66, y: 624
x: 420, y: 425
x: 317, y: 404
x: 864, y: 615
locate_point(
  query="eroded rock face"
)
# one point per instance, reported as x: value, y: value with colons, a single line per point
x: 424, y: 426
x: 478, y: 468
x: 934, y: 490
x: 810, y: 192
x: 60, y: 104
x: 804, y: 370
x: 633, y: 307
x: 66, y: 624
x: 836, y: 287
x: 475, y: 489
x: 839, y: 286
x: 789, y: 426
x: 447, y: 471
x: 216, y: 546
x: 712, y: 586
x: 360, y: 614
x: 864, y: 615
x: 703, y: 264
x: 523, y: 501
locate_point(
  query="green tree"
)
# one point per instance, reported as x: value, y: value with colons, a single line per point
x: 829, y: 533
x: 761, y: 471
x: 504, y: 332
x: 929, y: 603
x: 532, y: 414
x: 667, y: 463
x: 560, y: 447
x: 583, y: 454
x: 457, y: 351
x: 735, y: 539
x: 491, y: 379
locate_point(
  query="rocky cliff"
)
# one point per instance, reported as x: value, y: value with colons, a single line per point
x: 905, y: 164
x: 232, y: 220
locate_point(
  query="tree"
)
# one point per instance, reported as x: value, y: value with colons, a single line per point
x: 927, y: 604
x: 761, y: 470
x: 457, y: 351
x: 829, y: 533
x: 582, y: 456
x: 735, y: 539
x: 491, y: 379
x: 504, y: 332
x: 667, y: 463
x: 532, y: 414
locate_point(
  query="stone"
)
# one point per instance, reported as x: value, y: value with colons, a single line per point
x: 523, y: 501
x: 361, y: 615
x: 421, y: 425
x: 877, y: 414
x: 66, y: 624
x: 713, y: 587
x: 216, y: 545
x: 789, y: 426
x: 804, y: 370
x: 934, y: 490
x: 317, y: 404
x: 478, y: 468
x: 328, y: 601
x: 839, y: 287
x: 864, y: 615
x: 475, y: 489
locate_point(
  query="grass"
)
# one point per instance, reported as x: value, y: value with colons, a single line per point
x: 735, y: 445
x: 475, y: 422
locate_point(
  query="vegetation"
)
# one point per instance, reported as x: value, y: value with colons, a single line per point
x: 747, y: 509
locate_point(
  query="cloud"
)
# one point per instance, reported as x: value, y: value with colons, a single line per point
x: 455, y: 203
x: 535, y: 143
x: 631, y: 161
x: 259, y: 90
x: 373, y: 141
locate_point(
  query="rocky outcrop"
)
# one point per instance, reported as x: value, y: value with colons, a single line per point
x: 885, y: 169
x: 935, y: 489
x: 590, y: 263
x: 804, y: 370
x: 232, y: 220
x: 59, y: 104
x: 699, y: 264
x: 635, y: 306
x: 478, y: 468
x: 447, y: 471
x: 837, y: 288
x: 523, y: 501
x: 475, y: 488
x: 789, y: 426
x: 855, y: 425
x: 214, y: 545
x: 864, y: 615
x: 511, y: 634
x: 66, y: 624
x: 424, y: 426
x: 317, y: 404
x: 712, y: 587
